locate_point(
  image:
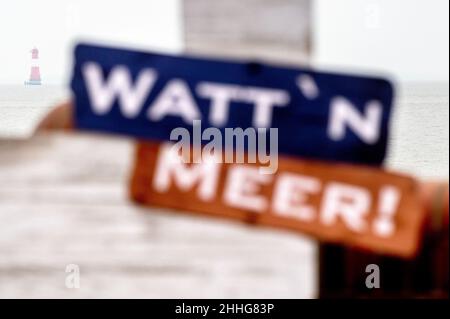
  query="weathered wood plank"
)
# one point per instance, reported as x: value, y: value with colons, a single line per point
x: 63, y: 200
x: 262, y: 29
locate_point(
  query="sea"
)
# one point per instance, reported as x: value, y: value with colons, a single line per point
x: 418, y: 144
x: 21, y: 107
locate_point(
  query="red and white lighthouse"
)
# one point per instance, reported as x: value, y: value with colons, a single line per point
x: 35, y: 74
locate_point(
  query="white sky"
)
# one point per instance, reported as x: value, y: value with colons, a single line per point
x: 52, y: 26
x: 405, y: 38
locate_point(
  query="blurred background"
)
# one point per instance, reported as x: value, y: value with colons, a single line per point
x: 63, y: 197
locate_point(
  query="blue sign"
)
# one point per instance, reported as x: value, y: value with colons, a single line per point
x: 318, y: 115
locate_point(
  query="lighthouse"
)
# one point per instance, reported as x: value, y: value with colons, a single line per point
x: 35, y: 74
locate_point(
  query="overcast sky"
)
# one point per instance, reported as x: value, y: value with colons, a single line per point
x: 53, y: 26
x: 405, y: 38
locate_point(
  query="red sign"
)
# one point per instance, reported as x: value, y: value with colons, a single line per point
x: 356, y: 205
